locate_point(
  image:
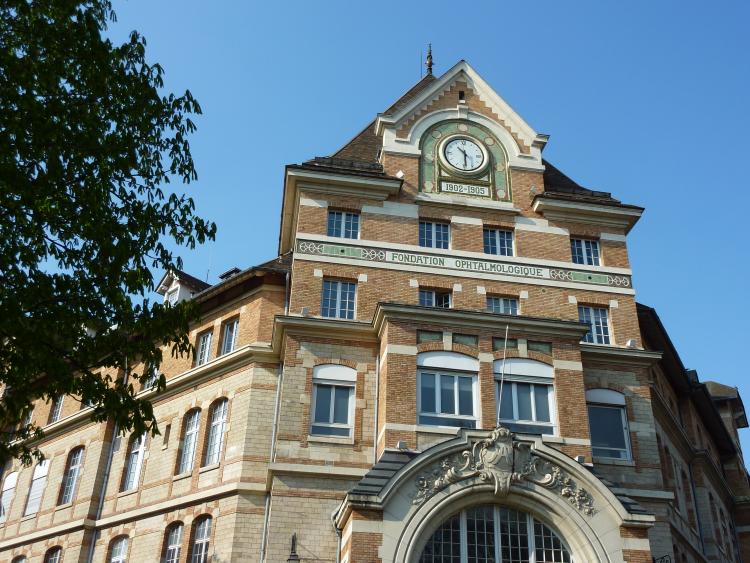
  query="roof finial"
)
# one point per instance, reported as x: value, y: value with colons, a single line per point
x: 429, y: 59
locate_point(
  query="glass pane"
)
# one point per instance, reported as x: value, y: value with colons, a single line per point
x: 447, y: 398
x: 330, y: 430
x: 445, y: 544
x: 323, y: 403
x: 606, y: 427
x: 523, y: 394
x: 506, y: 401
x: 541, y: 402
x: 480, y: 534
x: 428, y: 392
x: 341, y: 405
x: 513, y: 536
x: 465, y: 399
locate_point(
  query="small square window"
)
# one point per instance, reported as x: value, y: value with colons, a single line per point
x: 343, y: 224
x: 435, y: 298
x: 502, y: 305
x: 434, y: 235
x: 498, y: 241
x: 466, y: 340
x: 429, y: 336
x: 585, y: 251
x: 338, y: 300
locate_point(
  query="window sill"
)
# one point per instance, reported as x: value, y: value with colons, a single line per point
x: 614, y: 461
x: 208, y: 468
x: 453, y: 430
x: 182, y: 476
x: 28, y: 517
x: 63, y: 506
x: 330, y: 439
x: 129, y: 492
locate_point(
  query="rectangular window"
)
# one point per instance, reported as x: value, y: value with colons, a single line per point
x: 204, y: 348
x: 189, y: 441
x: 216, y: 432
x: 446, y: 399
x: 499, y: 344
x: 134, y: 463
x: 466, y: 339
x: 543, y: 347
x: 171, y: 296
x: 434, y: 235
x: 609, y: 432
x: 70, y: 477
x: 338, y: 299
x: 585, y: 251
x: 229, y: 336
x: 332, y: 411
x: 598, y: 321
x: 502, y: 305
x: 56, y: 409
x: 38, y: 482
x: 525, y: 407
x: 498, y: 241
x: 429, y: 336
x: 435, y: 298
x: 343, y: 224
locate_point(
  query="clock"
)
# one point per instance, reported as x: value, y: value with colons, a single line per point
x: 463, y: 154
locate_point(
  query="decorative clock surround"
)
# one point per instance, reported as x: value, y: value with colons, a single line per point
x: 464, y: 158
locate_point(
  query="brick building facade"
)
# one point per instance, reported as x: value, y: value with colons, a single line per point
x: 446, y: 362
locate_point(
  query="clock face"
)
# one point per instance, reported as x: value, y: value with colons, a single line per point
x: 464, y: 154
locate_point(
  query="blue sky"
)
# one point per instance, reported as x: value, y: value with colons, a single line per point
x: 647, y: 100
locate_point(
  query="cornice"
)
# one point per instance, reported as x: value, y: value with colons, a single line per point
x: 617, y: 216
x: 478, y: 320
x: 616, y: 355
x: 285, y: 325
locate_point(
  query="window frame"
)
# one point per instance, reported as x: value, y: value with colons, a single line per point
x: 203, y: 556
x: 589, y: 251
x: 534, y: 373
x: 607, y: 398
x: 133, y: 465
x: 194, y: 434
x: 203, y: 348
x: 216, y: 432
x: 172, y: 295
x: 55, y: 410
x: 439, y: 373
x: 43, y: 468
x: 344, y: 224
x: 492, y: 235
x: 592, y: 336
x: 338, y: 301
x: 115, y: 543
x: 426, y: 225
x: 175, y: 549
x: 6, y: 497
x: 53, y: 555
x: 235, y: 324
x: 502, y: 299
x: 334, y: 375
x: 435, y: 292
x: 71, y: 476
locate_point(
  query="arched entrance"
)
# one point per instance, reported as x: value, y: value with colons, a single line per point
x: 490, y: 533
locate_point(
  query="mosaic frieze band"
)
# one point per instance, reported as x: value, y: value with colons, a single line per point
x: 457, y: 263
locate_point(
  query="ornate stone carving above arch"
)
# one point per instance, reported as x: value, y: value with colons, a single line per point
x: 498, y: 467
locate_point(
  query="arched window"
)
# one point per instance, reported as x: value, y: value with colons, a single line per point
x: 491, y: 533
x: 133, y: 462
x: 447, y: 393
x: 71, y: 475
x: 201, y: 540
x: 53, y: 555
x: 8, y: 492
x: 173, y: 543
x: 217, y: 418
x: 333, y: 400
x: 190, y: 427
x: 608, y: 424
x: 38, y: 482
x: 525, y: 395
x: 118, y: 550
x: 19, y: 559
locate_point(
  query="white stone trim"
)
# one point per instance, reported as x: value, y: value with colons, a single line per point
x: 567, y: 364
x: 466, y: 220
x: 606, y: 397
x: 362, y: 278
x: 447, y: 360
x: 523, y: 366
x: 539, y: 226
x: 310, y: 202
x: 572, y: 300
x: 393, y: 209
x: 401, y: 349
x: 523, y: 294
x: 413, y: 283
x: 612, y: 237
x: 334, y: 372
x: 317, y: 273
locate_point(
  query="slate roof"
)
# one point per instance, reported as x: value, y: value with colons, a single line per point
x: 364, y: 148
x: 191, y: 281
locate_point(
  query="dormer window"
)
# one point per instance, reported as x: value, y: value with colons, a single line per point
x: 171, y: 296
